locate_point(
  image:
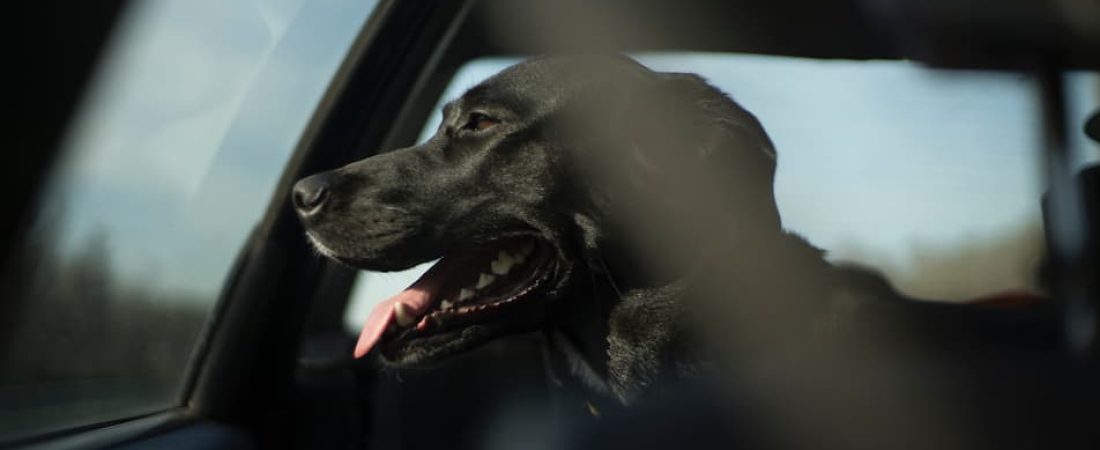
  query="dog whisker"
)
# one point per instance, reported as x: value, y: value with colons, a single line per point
x: 320, y: 249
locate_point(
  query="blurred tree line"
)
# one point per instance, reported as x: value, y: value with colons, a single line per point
x: 73, y: 318
x: 962, y: 269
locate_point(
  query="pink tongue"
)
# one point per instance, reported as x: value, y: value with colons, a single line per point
x: 417, y: 298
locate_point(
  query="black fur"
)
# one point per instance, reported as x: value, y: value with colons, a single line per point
x: 646, y: 186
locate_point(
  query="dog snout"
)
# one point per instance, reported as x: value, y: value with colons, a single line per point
x: 310, y: 194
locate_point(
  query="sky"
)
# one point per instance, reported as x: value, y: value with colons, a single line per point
x: 191, y: 119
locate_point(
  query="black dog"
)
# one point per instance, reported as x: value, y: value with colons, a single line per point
x: 589, y: 197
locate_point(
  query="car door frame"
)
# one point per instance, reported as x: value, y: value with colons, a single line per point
x: 242, y: 376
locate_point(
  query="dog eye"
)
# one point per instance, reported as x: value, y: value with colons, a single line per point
x: 480, y: 122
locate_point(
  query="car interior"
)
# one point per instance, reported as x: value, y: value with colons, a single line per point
x: 259, y: 354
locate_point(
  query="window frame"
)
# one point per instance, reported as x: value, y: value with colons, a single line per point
x: 245, y: 367
x: 244, y: 363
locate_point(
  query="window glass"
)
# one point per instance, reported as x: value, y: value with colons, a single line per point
x: 174, y: 157
x: 931, y: 176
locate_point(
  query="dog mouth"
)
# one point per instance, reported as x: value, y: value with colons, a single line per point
x: 466, y: 287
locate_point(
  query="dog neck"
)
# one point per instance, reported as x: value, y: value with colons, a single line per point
x: 577, y: 341
x: 633, y: 352
x: 622, y: 291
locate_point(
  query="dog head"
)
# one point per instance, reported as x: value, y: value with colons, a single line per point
x: 528, y: 178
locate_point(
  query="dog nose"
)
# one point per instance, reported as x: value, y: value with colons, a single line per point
x: 310, y: 194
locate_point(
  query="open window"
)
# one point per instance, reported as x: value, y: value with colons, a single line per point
x: 192, y: 116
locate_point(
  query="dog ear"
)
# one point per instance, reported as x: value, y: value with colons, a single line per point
x: 669, y: 162
x: 676, y: 168
x: 694, y: 148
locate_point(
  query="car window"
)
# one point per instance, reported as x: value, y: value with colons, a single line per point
x: 930, y: 176
x: 187, y: 126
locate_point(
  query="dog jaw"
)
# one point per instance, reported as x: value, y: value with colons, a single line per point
x: 493, y: 287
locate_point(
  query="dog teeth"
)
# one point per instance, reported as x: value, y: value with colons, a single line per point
x: 403, y: 315
x: 485, y: 279
x: 465, y: 294
x: 445, y: 304
x: 503, y: 264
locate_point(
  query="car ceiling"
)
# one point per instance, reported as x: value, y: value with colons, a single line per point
x: 949, y: 33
